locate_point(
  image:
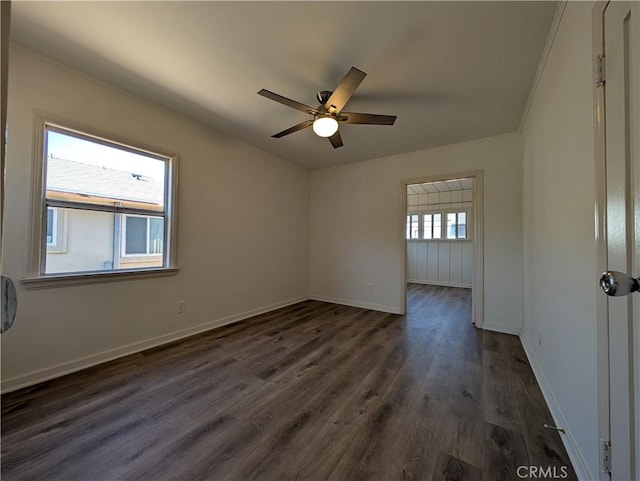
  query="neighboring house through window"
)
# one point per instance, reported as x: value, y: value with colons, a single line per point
x: 108, y: 206
x: 52, y: 226
x: 142, y: 235
x: 56, y: 240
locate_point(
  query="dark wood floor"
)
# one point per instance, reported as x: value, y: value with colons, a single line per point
x: 314, y: 391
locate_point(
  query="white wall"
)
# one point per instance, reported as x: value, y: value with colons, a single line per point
x: 242, y: 230
x: 560, y: 287
x: 358, y: 226
x: 441, y: 263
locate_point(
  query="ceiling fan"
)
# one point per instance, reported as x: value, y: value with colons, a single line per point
x: 329, y: 114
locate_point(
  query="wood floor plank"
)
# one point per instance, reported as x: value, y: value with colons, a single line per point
x: 418, y: 449
x: 380, y: 431
x: 313, y: 391
x: 506, y: 452
x: 451, y: 468
x: 466, y: 413
x: 500, y: 404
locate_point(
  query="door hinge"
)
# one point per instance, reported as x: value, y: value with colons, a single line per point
x: 599, y: 70
x: 605, y: 456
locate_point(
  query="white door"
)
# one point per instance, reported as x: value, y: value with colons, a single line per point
x: 622, y: 148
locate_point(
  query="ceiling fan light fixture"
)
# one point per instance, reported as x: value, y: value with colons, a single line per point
x: 325, y: 126
x: 329, y: 113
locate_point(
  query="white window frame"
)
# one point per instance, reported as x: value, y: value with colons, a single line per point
x: 443, y: 224
x: 36, y: 277
x: 408, y: 226
x: 457, y: 212
x: 422, y: 227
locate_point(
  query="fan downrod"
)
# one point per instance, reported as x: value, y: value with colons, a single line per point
x: 323, y: 96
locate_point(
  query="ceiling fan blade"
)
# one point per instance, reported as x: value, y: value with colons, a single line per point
x: 336, y: 140
x: 374, y: 119
x: 345, y: 90
x: 295, y: 128
x: 288, y: 102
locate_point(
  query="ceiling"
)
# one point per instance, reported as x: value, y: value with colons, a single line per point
x: 450, y: 71
x: 440, y: 186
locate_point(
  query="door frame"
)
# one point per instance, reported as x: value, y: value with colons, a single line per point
x: 477, y: 283
x: 5, y: 20
x: 600, y: 225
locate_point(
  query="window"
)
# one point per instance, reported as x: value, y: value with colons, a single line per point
x: 413, y: 226
x: 456, y: 225
x: 431, y: 226
x: 108, y: 206
x: 142, y: 235
x: 55, y: 234
x: 52, y: 226
x: 438, y: 225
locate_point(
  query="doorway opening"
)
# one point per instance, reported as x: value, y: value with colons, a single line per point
x: 443, y: 236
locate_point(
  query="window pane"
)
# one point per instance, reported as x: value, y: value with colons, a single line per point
x: 156, y: 235
x: 462, y: 225
x: 86, y: 171
x: 437, y: 226
x: 427, y: 226
x: 451, y: 225
x: 51, y: 227
x: 415, y: 226
x: 89, y: 243
x: 136, y: 235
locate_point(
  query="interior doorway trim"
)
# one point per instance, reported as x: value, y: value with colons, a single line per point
x: 477, y: 288
x: 602, y: 329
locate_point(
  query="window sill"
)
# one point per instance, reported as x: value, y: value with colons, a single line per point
x: 83, y: 278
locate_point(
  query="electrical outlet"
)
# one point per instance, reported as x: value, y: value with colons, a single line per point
x: 282, y: 285
x: 540, y: 339
x: 182, y: 307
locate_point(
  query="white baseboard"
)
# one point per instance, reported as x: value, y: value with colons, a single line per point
x: 439, y: 283
x: 364, y: 305
x: 573, y: 450
x: 503, y: 328
x: 58, y: 370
